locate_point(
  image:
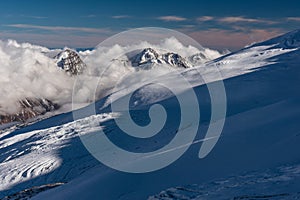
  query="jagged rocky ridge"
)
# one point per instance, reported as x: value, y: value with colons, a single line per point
x: 148, y: 57
x: 29, y: 108
x: 70, y: 62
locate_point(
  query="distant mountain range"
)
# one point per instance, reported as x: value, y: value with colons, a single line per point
x: 70, y: 62
x: 144, y: 59
x: 149, y: 57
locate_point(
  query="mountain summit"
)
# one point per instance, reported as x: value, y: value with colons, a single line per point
x: 70, y: 61
x: 286, y: 41
x: 149, y: 57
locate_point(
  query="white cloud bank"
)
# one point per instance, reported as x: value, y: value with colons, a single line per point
x: 28, y: 70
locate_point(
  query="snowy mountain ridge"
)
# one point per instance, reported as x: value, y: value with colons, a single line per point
x: 287, y: 41
x: 149, y: 57
x: 70, y: 62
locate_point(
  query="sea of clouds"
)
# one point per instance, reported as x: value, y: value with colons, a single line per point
x: 28, y: 70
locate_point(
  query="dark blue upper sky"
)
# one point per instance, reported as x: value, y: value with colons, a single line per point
x: 218, y: 24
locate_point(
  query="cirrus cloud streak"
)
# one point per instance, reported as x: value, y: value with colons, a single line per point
x: 172, y: 18
x: 60, y: 28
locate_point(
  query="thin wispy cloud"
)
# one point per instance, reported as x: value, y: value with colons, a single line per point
x: 55, y: 40
x: 60, y: 28
x: 35, y: 17
x: 89, y: 16
x: 244, y: 19
x: 205, y: 18
x: 231, y: 20
x: 172, y: 18
x: 188, y: 26
x: 297, y: 19
x: 120, y: 16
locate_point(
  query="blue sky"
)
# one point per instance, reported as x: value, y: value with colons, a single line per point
x: 216, y: 24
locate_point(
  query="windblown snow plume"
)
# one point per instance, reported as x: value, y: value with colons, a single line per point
x: 30, y: 72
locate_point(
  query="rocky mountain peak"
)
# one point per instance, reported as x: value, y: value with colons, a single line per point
x: 149, y: 57
x: 70, y: 61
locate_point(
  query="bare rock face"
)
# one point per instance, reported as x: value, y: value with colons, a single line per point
x: 29, y: 108
x: 70, y: 62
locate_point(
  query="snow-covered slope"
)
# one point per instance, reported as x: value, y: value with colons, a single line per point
x: 260, y: 138
x: 287, y: 41
x: 251, y: 185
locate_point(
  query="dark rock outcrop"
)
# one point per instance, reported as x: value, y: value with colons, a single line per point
x: 29, y: 108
